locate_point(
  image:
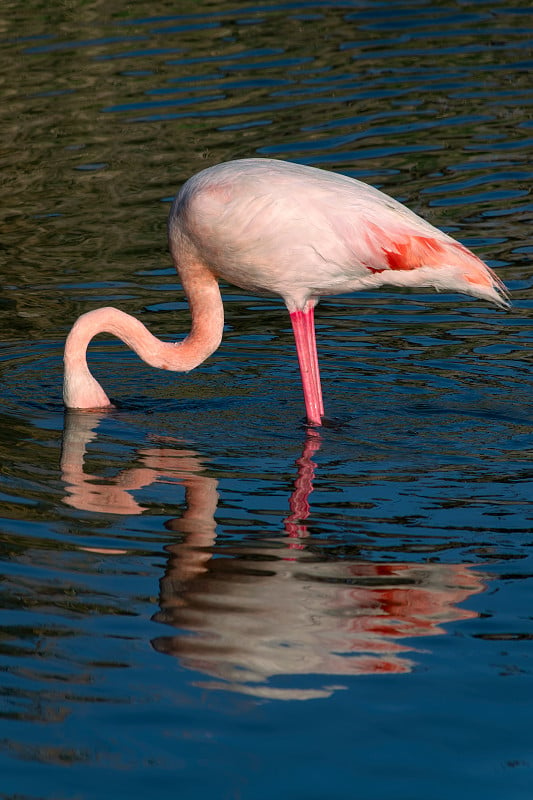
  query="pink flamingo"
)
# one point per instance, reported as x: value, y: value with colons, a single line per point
x: 277, y: 228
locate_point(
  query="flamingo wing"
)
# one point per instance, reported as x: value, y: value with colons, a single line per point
x: 398, y: 248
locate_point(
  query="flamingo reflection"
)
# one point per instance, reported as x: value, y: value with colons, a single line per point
x: 271, y: 610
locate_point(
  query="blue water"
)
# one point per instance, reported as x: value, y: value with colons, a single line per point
x: 201, y: 597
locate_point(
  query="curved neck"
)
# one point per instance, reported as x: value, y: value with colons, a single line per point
x: 81, y: 390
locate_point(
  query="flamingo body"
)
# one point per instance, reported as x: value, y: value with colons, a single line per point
x: 277, y: 228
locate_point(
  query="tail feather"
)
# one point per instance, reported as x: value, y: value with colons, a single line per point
x: 481, y: 277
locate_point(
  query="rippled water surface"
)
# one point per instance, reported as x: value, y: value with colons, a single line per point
x: 201, y: 597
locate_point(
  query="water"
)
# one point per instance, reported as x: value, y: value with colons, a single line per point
x: 200, y: 596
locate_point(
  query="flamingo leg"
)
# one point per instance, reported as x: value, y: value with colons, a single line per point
x: 303, y: 325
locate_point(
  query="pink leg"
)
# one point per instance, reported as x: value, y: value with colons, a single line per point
x: 303, y: 325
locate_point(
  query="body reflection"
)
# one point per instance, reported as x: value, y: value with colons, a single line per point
x: 253, y: 621
x: 253, y: 616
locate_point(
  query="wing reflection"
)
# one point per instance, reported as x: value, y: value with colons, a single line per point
x: 254, y: 616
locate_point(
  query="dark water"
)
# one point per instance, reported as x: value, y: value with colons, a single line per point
x: 200, y: 597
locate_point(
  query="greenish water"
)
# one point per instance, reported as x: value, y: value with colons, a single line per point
x: 200, y: 596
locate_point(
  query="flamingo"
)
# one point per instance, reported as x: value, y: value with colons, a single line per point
x: 278, y: 228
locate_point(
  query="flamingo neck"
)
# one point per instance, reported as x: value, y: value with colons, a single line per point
x: 81, y: 390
